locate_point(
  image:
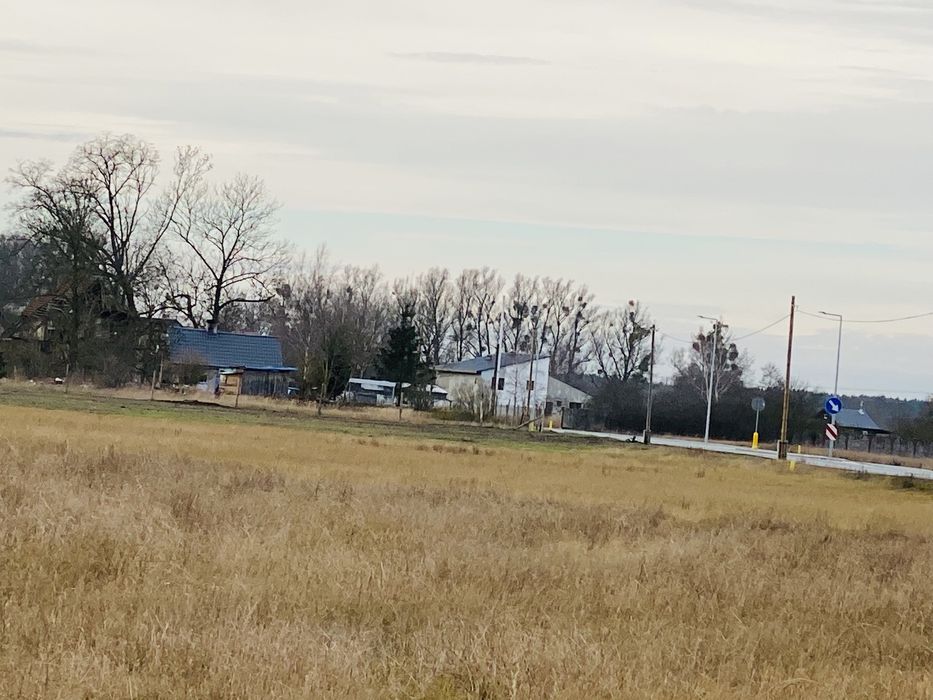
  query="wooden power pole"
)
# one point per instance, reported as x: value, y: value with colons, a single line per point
x: 782, y: 443
x: 650, y: 390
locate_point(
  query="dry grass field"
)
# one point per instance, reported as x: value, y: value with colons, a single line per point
x: 181, y: 553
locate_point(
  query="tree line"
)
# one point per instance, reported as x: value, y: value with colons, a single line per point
x: 106, y: 248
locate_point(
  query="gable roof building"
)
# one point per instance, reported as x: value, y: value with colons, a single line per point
x: 857, y: 419
x: 520, y: 386
x: 589, y: 384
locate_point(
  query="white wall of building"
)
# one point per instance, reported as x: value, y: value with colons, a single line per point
x: 514, y: 393
x: 562, y: 395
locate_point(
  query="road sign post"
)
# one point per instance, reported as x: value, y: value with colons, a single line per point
x: 833, y: 406
x: 758, y: 405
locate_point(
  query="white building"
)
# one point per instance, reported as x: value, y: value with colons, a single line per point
x: 517, y: 373
x: 569, y: 392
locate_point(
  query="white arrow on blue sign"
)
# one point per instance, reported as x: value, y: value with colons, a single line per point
x: 833, y: 405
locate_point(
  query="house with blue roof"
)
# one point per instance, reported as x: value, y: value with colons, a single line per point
x: 211, y: 359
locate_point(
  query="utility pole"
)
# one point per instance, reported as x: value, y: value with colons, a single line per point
x: 531, y: 374
x: 782, y: 443
x: 498, y: 368
x: 832, y: 418
x: 531, y: 366
x: 650, y: 390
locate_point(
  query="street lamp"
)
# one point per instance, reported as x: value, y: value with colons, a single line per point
x: 717, y: 326
x: 838, y: 356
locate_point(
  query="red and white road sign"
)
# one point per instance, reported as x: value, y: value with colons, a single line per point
x: 832, y: 432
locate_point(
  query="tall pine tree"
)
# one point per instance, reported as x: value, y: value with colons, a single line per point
x: 401, y: 358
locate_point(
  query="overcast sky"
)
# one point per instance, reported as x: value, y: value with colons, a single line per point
x: 704, y: 156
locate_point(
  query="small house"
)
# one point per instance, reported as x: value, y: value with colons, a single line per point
x: 856, y: 425
x: 249, y: 364
x: 571, y: 391
x: 517, y: 376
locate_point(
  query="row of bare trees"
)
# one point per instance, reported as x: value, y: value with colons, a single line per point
x: 475, y: 312
x: 334, y: 319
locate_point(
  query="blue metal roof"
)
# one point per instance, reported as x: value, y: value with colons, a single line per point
x: 197, y: 346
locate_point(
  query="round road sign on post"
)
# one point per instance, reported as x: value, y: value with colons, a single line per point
x: 833, y: 405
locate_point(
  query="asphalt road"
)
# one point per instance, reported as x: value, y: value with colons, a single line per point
x: 811, y: 460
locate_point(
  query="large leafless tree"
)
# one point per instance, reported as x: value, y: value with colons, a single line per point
x: 521, y: 298
x: 486, y: 290
x: 117, y: 175
x: 715, y: 353
x: 434, y: 311
x: 110, y: 183
x: 232, y: 256
x: 620, y: 341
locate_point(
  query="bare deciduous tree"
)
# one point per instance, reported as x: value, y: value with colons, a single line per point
x: 335, y: 322
x: 116, y: 175
x: 521, y: 298
x: 486, y: 290
x: 619, y: 341
x: 566, y: 317
x: 233, y: 257
x: 109, y: 183
x: 692, y: 367
x: 434, y: 311
x: 56, y: 220
x: 463, y: 322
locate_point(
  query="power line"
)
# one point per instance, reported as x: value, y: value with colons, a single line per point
x: 862, y: 391
x: 766, y: 328
x: 743, y: 337
x: 877, y: 320
x: 894, y: 320
x: 676, y: 340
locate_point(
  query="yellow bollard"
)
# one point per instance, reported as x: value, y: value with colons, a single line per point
x: 755, y: 441
x: 550, y: 424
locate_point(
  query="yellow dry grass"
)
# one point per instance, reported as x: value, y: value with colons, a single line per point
x: 273, y: 405
x: 146, y: 557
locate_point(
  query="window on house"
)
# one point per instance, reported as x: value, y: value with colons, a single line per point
x: 560, y: 404
x: 501, y: 383
x: 530, y: 385
x: 575, y: 404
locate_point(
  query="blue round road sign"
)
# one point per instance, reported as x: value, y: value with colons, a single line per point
x: 833, y: 405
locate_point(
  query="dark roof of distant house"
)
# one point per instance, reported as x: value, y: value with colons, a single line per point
x: 589, y: 384
x: 856, y: 419
x: 221, y: 350
x: 166, y: 323
x: 478, y: 365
